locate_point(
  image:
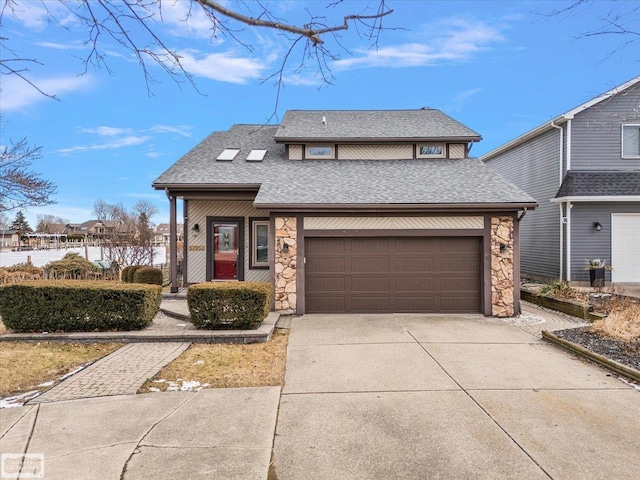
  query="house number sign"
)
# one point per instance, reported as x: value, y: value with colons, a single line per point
x: 196, y: 248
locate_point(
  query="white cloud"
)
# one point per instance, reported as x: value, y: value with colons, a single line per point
x: 107, y: 131
x: 126, y: 141
x: 452, y: 40
x: 61, y: 46
x: 17, y: 93
x: 184, y: 130
x: 224, y: 67
x: 35, y: 16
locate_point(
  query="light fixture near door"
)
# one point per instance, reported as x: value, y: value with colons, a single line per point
x: 597, y: 226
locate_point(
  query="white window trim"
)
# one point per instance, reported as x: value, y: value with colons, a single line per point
x: 254, y: 244
x: 431, y: 144
x: 622, y: 127
x: 323, y: 145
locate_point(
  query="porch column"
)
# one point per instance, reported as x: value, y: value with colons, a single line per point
x: 502, y: 267
x: 285, y: 264
x: 173, y: 244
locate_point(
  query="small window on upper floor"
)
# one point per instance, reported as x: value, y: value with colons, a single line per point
x: 319, y: 151
x: 631, y: 141
x: 430, y: 150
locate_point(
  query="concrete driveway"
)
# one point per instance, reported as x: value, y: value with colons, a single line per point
x: 447, y: 397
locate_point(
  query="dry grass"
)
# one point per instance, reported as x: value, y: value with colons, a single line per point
x: 623, y: 323
x: 219, y: 366
x: 25, y: 365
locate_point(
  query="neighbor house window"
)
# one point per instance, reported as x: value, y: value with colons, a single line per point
x: 319, y: 151
x: 631, y: 141
x: 259, y: 243
x: 430, y: 150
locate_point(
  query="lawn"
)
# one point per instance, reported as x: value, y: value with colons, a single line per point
x: 26, y: 365
x: 219, y: 366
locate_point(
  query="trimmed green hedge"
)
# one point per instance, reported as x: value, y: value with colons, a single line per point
x: 148, y: 275
x: 124, y: 274
x: 229, y: 305
x: 131, y: 272
x: 78, y: 306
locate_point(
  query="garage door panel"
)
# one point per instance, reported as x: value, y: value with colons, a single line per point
x: 327, y: 284
x: 369, y: 304
x: 327, y: 245
x: 369, y: 245
x: 325, y: 265
x: 417, y: 304
x: 369, y: 284
x: 413, y: 285
x: 370, y: 265
x: 427, y: 263
x: 401, y: 274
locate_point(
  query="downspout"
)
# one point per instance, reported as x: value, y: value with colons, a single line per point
x: 561, y: 177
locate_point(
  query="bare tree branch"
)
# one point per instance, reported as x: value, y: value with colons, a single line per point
x: 19, y: 187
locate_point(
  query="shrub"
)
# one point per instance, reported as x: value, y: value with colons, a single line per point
x: 125, y: 274
x: 77, y: 306
x: 561, y: 289
x: 148, y: 275
x: 229, y: 305
x: 71, y: 265
x: 19, y: 272
x: 131, y: 272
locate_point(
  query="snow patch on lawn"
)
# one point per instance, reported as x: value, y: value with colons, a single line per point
x: 180, y: 385
x: 18, y: 400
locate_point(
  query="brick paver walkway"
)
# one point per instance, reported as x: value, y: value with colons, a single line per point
x: 121, y: 373
x: 534, y: 319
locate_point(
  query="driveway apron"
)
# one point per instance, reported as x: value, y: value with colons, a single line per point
x: 441, y: 397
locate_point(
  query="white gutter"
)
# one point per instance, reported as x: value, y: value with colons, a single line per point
x: 595, y: 198
x: 560, y: 179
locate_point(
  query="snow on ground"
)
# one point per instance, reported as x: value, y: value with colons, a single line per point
x: 40, y: 258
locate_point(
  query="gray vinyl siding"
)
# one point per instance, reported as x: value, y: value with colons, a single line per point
x: 586, y: 243
x: 596, y: 133
x: 534, y: 168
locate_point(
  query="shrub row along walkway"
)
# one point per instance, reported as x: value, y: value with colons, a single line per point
x: 121, y: 373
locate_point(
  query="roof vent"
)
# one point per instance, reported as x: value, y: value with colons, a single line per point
x: 256, y: 155
x: 228, y: 154
x: 324, y: 120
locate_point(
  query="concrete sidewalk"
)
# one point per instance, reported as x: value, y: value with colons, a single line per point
x: 441, y: 397
x: 218, y: 433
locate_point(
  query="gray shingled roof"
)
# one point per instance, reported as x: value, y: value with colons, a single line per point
x: 593, y: 184
x: 371, y: 124
x: 336, y: 182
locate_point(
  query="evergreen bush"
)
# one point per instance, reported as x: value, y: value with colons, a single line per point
x: 78, y: 306
x: 148, y: 275
x: 229, y: 305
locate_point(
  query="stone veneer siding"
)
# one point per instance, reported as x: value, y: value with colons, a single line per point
x: 285, y: 265
x: 502, y: 268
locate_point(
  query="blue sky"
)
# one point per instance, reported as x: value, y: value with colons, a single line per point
x: 499, y: 67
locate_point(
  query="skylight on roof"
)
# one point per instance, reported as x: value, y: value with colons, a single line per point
x: 228, y: 154
x: 256, y: 155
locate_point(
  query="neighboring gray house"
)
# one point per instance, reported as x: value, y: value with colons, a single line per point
x: 583, y: 168
x: 351, y: 211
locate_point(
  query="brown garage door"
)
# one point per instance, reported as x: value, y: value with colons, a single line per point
x: 383, y: 275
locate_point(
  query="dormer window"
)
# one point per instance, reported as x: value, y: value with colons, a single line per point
x: 631, y: 141
x: 430, y: 150
x: 319, y: 150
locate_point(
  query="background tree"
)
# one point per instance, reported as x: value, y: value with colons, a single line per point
x: 20, y: 224
x: 4, y: 221
x: 19, y: 186
x: 129, y: 233
x: 622, y: 20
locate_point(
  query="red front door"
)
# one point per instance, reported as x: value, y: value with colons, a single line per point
x: 225, y: 251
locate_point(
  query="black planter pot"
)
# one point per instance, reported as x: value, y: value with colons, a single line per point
x: 596, y: 276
